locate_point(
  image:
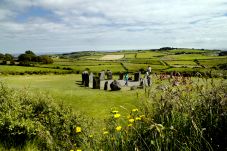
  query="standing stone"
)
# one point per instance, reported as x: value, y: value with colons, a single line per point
x: 121, y: 76
x: 115, y: 86
x: 148, y: 80
x: 109, y: 75
x: 96, y: 83
x: 86, y: 80
x: 91, y: 76
x: 137, y: 76
x: 141, y: 82
x: 106, y: 85
x: 102, y: 75
x: 84, y: 76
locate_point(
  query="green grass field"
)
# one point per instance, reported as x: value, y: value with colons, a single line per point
x: 180, y: 60
x: 66, y: 89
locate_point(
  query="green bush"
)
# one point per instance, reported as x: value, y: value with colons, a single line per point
x: 186, y: 117
x: 26, y: 117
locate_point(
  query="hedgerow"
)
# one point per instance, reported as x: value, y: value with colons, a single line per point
x: 27, y: 117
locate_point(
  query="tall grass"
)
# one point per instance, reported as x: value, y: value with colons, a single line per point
x: 187, y: 117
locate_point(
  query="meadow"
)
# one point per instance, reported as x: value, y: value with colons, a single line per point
x: 67, y: 89
x: 160, y: 117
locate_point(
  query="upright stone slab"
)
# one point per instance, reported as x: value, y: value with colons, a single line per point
x: 102, y: 75
x: 121, y: 76
x: 106, y: 85
x: 86, y: 80
x: 91, y: 76
x: 148, y: 80
x: 109, y: 75
x: 84, y: 75
x: 137, y: 76
x: 96, y: 83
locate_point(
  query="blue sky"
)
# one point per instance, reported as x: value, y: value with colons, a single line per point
x: 75, y: 25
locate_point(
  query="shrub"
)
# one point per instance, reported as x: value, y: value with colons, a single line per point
x: 27, y: 117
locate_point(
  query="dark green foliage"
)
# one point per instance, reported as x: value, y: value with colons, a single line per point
x: 29, y: 57
x: 223, y: 53
x: 222, y: 66
x: 8, y: 57
x: 35, y: 118
x: 2, y: 56
x: 167, y: 48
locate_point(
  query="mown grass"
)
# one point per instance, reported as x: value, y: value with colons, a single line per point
x: 181, y: 63
x: 150, y: 54
x: 66, y: 89
x: 190, y: 57
x: 130, y: 55
x: 212, y: 63
x: 9, y: 69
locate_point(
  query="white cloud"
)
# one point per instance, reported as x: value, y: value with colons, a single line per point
x: 114, y: 24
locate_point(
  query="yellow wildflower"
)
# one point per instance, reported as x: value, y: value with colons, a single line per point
x: 90, y: 136
x: 138, y: 118
x: 129, y: 125
x: 114, y: 111
x: 78, y: 150
x: 129, y: 116
x: 78, y: 129
x: 118, y: 128
x: 142, y: 116
x: 134, y: 110
x: 131, y: 120
x: 71, y: 150
x: 117, y: 115
x: 105, y: 132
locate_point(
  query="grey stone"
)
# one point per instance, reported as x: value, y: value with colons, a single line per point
x: 102, y: 75
x: 121, y: 76
x: 133, y: 87
x: 115, y: 86
x: 109, y: 75
x: 148, y: 80
x: 137, y: 76
x: 91, y: 76
x: 106, y: 85
x: 85, y: 78
x: 96, y: 83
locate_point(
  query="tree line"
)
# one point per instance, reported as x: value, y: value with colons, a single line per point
x: 28, y: 58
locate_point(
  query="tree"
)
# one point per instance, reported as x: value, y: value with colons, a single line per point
x: 29, y: 52
x: 28, y: 56
x: 2, y: 56
x: 46, y: 59
x: 8, y: 57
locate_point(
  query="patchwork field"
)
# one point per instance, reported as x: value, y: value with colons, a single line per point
x: 111, y: 57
